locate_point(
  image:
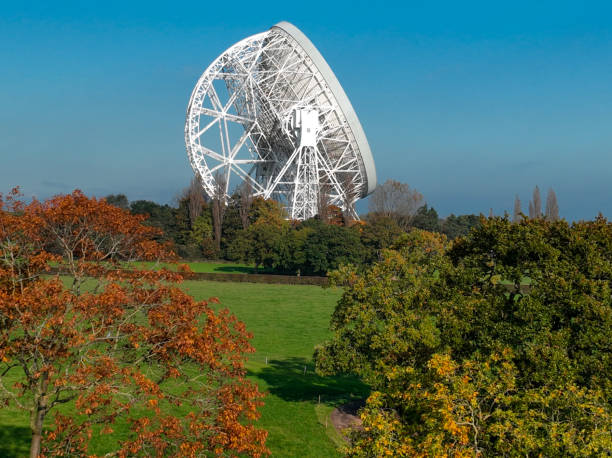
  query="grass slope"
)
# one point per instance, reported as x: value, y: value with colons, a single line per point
x: 287, y: 321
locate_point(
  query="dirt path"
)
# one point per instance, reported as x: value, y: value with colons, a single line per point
x: 345, y: 416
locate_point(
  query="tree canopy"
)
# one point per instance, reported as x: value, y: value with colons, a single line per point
x: 119, y: 345
x: 496, y: 344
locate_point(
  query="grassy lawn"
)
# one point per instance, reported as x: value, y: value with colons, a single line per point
x: 287, y: 321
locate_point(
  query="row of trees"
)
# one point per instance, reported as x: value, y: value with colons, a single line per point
x: 198, y: 227
x: 121, y: 350
x: 202, y: 228
x: 495, y: 345
x: 407, y: 207
x: 315, y: 246
x: 312, y: 247
x: 551, y: 212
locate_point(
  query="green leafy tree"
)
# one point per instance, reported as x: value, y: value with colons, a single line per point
x: 260, y: 242
x: 329, y: 246
x: 378, y: 233
x: 202, y: 228
x: 202, y: 235
x: 266, y: 208
x: 457, y: 226
x: 232, y: 223
x: 464, y: 360
x: 291, y: 254
x: 426, y: 218
x: 163, y: 217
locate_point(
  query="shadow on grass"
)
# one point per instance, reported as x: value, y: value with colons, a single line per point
x: 287, y: 380
x: 14, y: 441
x: 234, y: 269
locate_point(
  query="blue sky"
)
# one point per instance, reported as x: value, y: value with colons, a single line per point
x: 468, y: 102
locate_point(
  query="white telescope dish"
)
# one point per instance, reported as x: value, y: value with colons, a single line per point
x: 269, y: 113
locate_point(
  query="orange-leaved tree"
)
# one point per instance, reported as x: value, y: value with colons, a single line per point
x: 123, y: 349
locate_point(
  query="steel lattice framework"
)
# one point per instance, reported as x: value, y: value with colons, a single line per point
x: 269, y: 112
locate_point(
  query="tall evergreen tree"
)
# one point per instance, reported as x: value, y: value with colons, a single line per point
x: 537, y: 203
x: 516, y: 217
x: 552, y: 208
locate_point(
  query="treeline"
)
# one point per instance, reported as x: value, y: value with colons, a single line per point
x: 257, y: 231
x: 551, y: 211
x: 317, y: 245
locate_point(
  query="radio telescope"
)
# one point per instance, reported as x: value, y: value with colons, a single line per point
x: 270, y: 114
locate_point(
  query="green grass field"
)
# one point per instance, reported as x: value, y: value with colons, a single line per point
x: 287, y: 321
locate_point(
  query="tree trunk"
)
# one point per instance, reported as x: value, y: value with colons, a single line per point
x: 37, y: 416
x: 36, y: 424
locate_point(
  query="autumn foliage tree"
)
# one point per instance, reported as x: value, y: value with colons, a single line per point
x: 465, y: 359
x: 122, y: 347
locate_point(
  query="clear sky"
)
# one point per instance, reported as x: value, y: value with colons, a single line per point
x: 468, y: 102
